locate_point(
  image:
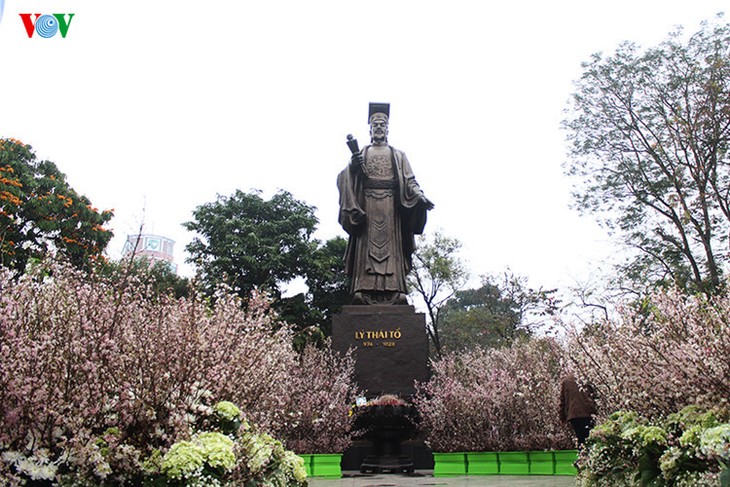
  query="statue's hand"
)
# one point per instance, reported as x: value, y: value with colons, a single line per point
x: 357, y: 216
x: 356, y: 160
x: 427, y: 203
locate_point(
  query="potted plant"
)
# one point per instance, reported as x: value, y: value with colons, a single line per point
x: 386, y: 422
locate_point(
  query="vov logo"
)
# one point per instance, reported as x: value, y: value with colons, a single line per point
x: 46, y: 25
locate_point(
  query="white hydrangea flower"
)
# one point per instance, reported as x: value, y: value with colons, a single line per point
x: 715, y: 442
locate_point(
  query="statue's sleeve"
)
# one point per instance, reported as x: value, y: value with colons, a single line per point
x: 351, y: 214
x: 411, y: 192
x: 415, y: 210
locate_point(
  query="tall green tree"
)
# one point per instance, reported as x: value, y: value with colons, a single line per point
x: 328, y: 289
x: 247, y: 242
x: 502, y: 310
x: 649, y: 131
x: 328, y: 283
x: 40, y: 213
x: 438, y: 272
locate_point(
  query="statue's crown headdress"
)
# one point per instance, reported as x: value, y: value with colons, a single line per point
x: 379, y: 108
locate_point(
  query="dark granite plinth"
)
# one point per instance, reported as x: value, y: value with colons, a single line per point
x: 356, y: 456
x: 390, y: 347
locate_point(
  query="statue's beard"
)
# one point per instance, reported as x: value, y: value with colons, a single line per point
x: 378, y: 138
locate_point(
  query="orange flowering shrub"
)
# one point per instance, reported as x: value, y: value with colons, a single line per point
x: 41, y: 213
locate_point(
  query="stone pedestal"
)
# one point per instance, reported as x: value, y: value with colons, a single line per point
x: 390, y: 347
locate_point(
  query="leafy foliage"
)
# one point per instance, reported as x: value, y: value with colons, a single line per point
x: 650, y: 132
x: 328, y: 289
x: 436, y: 275
x: 328, y: 283
x: 688, y: 448
x: 500, y: 312
x: 249, y: 243
x: 40, y: 212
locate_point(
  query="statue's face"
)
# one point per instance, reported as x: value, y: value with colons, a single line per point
x: 379, y: 130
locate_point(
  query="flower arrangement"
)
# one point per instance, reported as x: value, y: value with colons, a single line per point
x: 228, y: 416
x: 268, y: 461
x: 322, y: 387
x: 386, y: 400
x: 387, y: 413
x: 671, y: 353
x: 203, y: 459
x: 495, y: 400
x: 98, y: 375
x: 688, y: 448
x: 211, y: 458
x: 387, y: 408
x: 227, y: 412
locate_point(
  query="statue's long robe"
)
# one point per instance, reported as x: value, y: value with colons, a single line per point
x: 381, y: 218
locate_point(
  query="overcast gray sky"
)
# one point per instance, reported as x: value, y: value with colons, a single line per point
x: 154, y: 107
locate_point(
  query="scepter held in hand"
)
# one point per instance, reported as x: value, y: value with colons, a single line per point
x: 355, y: 149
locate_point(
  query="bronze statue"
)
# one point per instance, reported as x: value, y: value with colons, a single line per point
x: 381, y: 208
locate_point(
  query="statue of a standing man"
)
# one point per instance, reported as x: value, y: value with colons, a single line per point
x: 381, y: 208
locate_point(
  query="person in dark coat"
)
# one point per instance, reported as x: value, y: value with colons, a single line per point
x: 578, y: 407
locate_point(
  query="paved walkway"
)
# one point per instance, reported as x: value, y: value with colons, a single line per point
x: 425, y: 478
